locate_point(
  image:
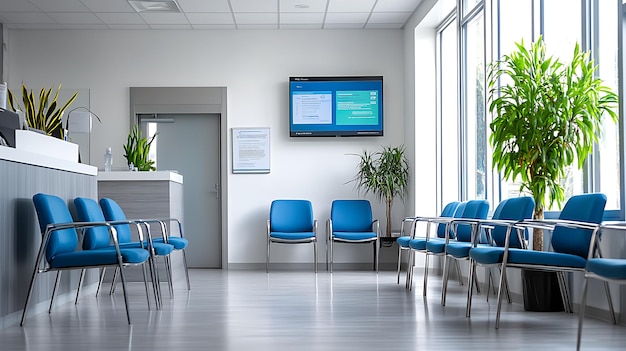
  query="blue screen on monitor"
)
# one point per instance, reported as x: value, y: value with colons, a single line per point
x: 336, y: 106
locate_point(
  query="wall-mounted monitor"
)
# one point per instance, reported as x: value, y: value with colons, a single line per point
x: 335, y: 106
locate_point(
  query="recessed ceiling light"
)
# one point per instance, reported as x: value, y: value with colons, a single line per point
x: 302, y: 6
x: 155, y: 5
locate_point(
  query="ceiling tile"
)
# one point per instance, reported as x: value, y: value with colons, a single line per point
x: 351, y: 6
x: 396, y: 5
x: 108, y: 5
x: 153, y: 18
x: 347, y: 17
x: 17, y: 6
x: 389, y: 17
x: 171, y: 26
x: 210, y: 18
x: 257, y: 26
x: 75, y: 18
x: 120, y: 18
x: 204, y: 5
x: 343, y: 26
x: 256, y: 18
x: 28, y: 17
x: 85, y: 26
x: 301, y: 18
x: 128, y: 26
x: 60, y: 5
x: 214, y: 26
x: 311, y: 5
x: 254, y: 5
x: 301, y: 26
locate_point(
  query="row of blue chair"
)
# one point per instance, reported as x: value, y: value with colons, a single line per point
x: 351, y: 221
x: 99, y: 237
x: 501, y: 242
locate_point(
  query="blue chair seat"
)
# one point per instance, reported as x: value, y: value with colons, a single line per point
x: 545, y: 258
x: 354, y: 235
x: 178, y: 242
x: 612, y: 268
x: 419, y: 243
x: 98, y: 257
x: 161, y: 249
x: 403, y: 241
x: 459, y: 249
x: 487, y: 255
x: 292, y: 236
x: 436, y: 246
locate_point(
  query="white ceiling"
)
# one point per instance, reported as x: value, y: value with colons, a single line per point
x: 208, y: 14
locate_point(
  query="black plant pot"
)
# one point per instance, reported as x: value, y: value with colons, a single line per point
x: 541, y: 291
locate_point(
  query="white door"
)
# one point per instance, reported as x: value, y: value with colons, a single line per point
x: 190, y: 144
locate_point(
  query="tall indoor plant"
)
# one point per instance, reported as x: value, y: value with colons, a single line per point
x: 547, y: 115
x: 385, y: 173
x: 45, y: 114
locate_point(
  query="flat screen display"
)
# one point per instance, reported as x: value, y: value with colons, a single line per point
x: 335, y: 106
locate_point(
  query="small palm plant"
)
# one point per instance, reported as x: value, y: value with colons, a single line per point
x: 385, y: 173
x: 547, y: 115
x: 42, y: 114
x: 136, y: 150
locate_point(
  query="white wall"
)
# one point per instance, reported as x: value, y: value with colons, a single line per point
x: 254, y: 66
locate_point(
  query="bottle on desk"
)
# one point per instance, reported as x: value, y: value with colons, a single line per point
x: 108, y: 160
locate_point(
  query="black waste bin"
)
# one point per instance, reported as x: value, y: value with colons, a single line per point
x: 541, y: 291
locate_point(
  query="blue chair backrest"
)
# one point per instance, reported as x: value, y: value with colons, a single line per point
x: 474, y: 209
x: 113, y: 212
x: 52, y: 209
x: 458, y: 213
x: 516, y: 209
x: 291, y: 216
x: 88, y: 210
x: 351, y: 216
x: 448, y: 211
x: 585, y: 208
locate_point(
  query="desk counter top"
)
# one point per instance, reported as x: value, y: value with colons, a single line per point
x: 30, y: 158
x: 140, y: 176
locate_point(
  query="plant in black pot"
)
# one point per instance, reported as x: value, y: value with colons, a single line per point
x: 547, y: 117
x: 385, y: 173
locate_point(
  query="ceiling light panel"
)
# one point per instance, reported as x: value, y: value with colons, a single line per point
x: 142, y: 6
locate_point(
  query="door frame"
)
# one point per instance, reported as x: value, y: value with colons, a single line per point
x: 191, y: 100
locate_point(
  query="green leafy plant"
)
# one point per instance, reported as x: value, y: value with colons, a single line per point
x: 136, y: 150
x: 547, y: 115
x: 384, y: 173
x: 42, y: 114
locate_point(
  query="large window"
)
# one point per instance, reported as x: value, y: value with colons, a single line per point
x: 487, y: 30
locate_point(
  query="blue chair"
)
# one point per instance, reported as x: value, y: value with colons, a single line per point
x: 113, y: 212
x: 418, y: 244
x: 291, y: 222
x: 88, y: 210
x: 351, y: 222
x: 571, y: 236
x: 60, y: 249
x: 459, y: 235
x: 508, y: 213
x: 606, y: 269
x: 403, y: 241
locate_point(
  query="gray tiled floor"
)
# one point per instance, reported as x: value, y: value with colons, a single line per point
x: 252, y: 310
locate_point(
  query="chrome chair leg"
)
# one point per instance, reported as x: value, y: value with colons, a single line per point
x: 426, y: 274
x: 315, y: 254
x: 608, y: 297
x: 399, y: 259
x: 470, y: 282
x: 267, y: 257
x: 446, y: 275
x: 186, y: 269
x: 581, y: 313
x: 100, y: 280
x: 80, y: 284
x: 54, y: 290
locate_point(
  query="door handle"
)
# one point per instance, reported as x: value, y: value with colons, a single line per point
x: 216, y: 190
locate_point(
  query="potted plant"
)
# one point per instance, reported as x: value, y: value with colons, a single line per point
x: 136, y: 150
x: 384, y: 173
x: 44, y: 114
x: 547, y: 115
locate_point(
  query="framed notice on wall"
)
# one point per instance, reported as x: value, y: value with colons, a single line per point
x: 251, y: 150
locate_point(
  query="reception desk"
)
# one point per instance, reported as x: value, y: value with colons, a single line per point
x: 22, y: 175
